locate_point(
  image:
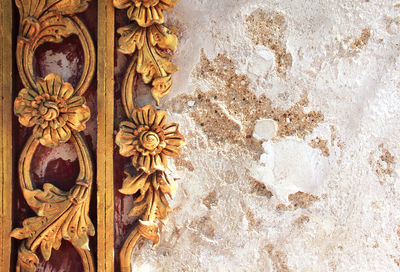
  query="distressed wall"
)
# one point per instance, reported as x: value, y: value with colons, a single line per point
x: 291, y: 114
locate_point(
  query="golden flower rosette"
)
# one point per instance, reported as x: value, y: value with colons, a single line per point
x: 52, y: 109
x: 148, y: 140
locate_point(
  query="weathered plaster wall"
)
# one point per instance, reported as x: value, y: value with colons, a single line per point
x: 291, y: 114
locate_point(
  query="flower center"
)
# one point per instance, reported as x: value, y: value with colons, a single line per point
x: 49, y: 110
x: 149, y: 140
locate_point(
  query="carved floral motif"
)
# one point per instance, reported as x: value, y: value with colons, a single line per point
x: 152, y: 43
x: 52, y: 109
x: 57, y: 113
x: 148, y: 139
x: 146, y: 12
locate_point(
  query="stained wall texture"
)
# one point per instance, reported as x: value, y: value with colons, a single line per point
x: 291, y: 114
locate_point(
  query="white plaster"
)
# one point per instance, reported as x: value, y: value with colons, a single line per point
x: 265, y: 129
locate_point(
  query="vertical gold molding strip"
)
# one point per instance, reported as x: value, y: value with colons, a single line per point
x: 6, y: 132
x: 105, y: 140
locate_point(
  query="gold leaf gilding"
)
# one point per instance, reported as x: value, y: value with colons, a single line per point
x: 147, y: 138
x: 153, y: 46
x: 57, y: 112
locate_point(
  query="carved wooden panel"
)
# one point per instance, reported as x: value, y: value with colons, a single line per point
x: 64, y: 170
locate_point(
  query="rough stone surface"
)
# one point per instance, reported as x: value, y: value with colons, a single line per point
x: 324, y: 193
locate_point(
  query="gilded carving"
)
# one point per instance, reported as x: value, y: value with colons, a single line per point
x: 153, y: 44
x: 147, y: 138
x: 52, y: 109
x: 57, y: 112
x: 146, y: 12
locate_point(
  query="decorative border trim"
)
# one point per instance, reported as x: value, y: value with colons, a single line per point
x: 6, y: 158
x: 147, y: 138
x: 105, y: 137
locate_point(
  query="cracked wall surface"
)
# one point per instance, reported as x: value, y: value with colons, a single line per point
x: 291, y: 114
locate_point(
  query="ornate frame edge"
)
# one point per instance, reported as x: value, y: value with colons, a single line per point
x: 6, y: 165
x: 105, y: 137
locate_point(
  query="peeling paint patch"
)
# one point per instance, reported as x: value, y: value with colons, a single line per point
x: 299, y: 200
x: 228, y: 113
x: 320, y: 144
x: 361, y: 41
x: 382, y: 162
x: 268, y: 30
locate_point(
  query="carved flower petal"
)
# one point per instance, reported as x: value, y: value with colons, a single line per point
x: 78, y: 117
x: 57, y: 123
x: 171, y: 129
x: 171, y: 150
x: 23, y: 108
x: 75, y: 101
x: 66, y: 91
x: 64, y: 133
x: 38, y: 132
x: 47, y: 140
x: 144, y: 116
x: 149, y: 163
x: 127, y: 150
x: 146, y: 16
x: 177, y: 141
x: 26, y: 119
x: 27, y: 94
x: 158, y: 163
x: 125, y: 139
x: 161, y: 118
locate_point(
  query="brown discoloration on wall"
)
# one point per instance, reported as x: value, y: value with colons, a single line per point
x: 228, y: 112
x: 385, y: 163
x: 210, y: 200
x: 320, y: 144
x: 303, y: 219
x: 268, y: 30
x: 302, y: 200
x: 278, y: 259
x: 205, y: 225
x: 183, y: 163
x: 252, y: 221
x: 298, y: 200
x: 259, y: 188
x: 382, y: 162
x: 361, y: 41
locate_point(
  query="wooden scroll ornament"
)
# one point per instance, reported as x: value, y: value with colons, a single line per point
x: 57, y: 112
x: 147, y: 138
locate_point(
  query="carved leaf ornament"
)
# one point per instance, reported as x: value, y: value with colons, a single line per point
x: 57, y: 112
x: 147, y: 138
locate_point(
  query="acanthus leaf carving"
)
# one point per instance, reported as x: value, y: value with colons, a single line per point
x: 61, y: 215
x: 153, y: 45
